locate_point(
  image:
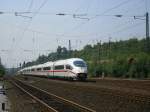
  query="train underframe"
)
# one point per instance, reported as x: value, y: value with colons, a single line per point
x: 81, y: 76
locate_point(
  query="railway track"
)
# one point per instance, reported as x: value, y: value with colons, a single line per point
x: 50, y: 102
x: 129, y: 95
x: 99, y: 98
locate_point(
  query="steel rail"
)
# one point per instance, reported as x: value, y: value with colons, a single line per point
x: 131, y: 96
x: 48, y: 108
x: 60, y: 99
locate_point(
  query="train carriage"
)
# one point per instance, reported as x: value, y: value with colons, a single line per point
x: 73, y: 68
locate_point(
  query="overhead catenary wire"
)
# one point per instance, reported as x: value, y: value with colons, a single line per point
x: 112, y: 8
x: 106, y: 11
x: 30, y: 6
x: 37, y: 11
x: 77, y: 27
x: 100, y: 15
x: 140, y: 2
x: 29, y: 23
x: 74, y: 15
x: 47, y: 34
x: 75, y: 36
x: 127, y: 28
x: 14, y: 40
x: 146, y: 5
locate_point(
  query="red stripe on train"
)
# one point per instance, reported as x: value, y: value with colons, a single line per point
x: 58, y: 71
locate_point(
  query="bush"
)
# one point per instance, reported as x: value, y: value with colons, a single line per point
x: 119, y: 67
x: 143, y: 65
x: 140, y: 67
x: 2, y: 71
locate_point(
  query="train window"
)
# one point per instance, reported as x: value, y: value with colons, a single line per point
x: 68, y: 67
x: 39, y: 69
x: 47, y: 68
x: 79, y: 63
x: 32, y: 69
x: 59, y: 67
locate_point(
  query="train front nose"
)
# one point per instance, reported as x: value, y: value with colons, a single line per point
x: 82, y: 73
x: 82, y: 70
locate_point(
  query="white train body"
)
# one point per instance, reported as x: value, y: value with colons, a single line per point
x: 73, y: 68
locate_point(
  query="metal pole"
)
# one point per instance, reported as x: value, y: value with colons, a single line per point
x: 69, y: 45
x: 147, y: 25
x: 147, y: 33
x: 69, y: 48
x: 99, y: 52
x: 109, y: 47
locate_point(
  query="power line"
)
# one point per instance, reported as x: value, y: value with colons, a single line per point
x: 74, y: 15
x: 48, y: 34
x: 136, y: 4
x: 146, y: 4
x: 80, y: 6
x: 43, y: 3
x: 30, y: 21
x: 83, y: 23
x: 128, y: 28
x: 30, y: 6
x: 110, y: 9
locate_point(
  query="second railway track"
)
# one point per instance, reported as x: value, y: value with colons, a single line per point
x: 50, y: 102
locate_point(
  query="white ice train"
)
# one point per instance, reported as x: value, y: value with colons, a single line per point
x: 73, y: 68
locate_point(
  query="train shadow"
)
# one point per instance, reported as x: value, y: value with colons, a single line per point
x: 61, y: 79
x: 86, y: 81
x: 70, y: 80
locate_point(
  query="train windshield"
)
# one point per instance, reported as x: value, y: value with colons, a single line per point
x: 79, y: 63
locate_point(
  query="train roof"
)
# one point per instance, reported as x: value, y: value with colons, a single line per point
x: 50, y: 63
x: 38, y: 66
x: 70, y: 59
x: 59, y: 62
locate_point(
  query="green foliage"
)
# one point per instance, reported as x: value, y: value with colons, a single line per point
x: 2, y: 70
x: 119, y: 67
x: 126, y: 59
x: 142, y: 65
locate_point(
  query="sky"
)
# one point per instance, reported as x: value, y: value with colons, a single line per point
x: 29, y: 28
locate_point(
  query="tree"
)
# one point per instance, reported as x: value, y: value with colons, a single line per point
x: 41, y: 59
x: 127, y: 58
x: 59, y: 50
x: 24, y: 64
x: 2, y: 69
x: 64, y: 50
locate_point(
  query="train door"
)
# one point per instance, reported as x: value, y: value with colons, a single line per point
x: 68, y: 69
